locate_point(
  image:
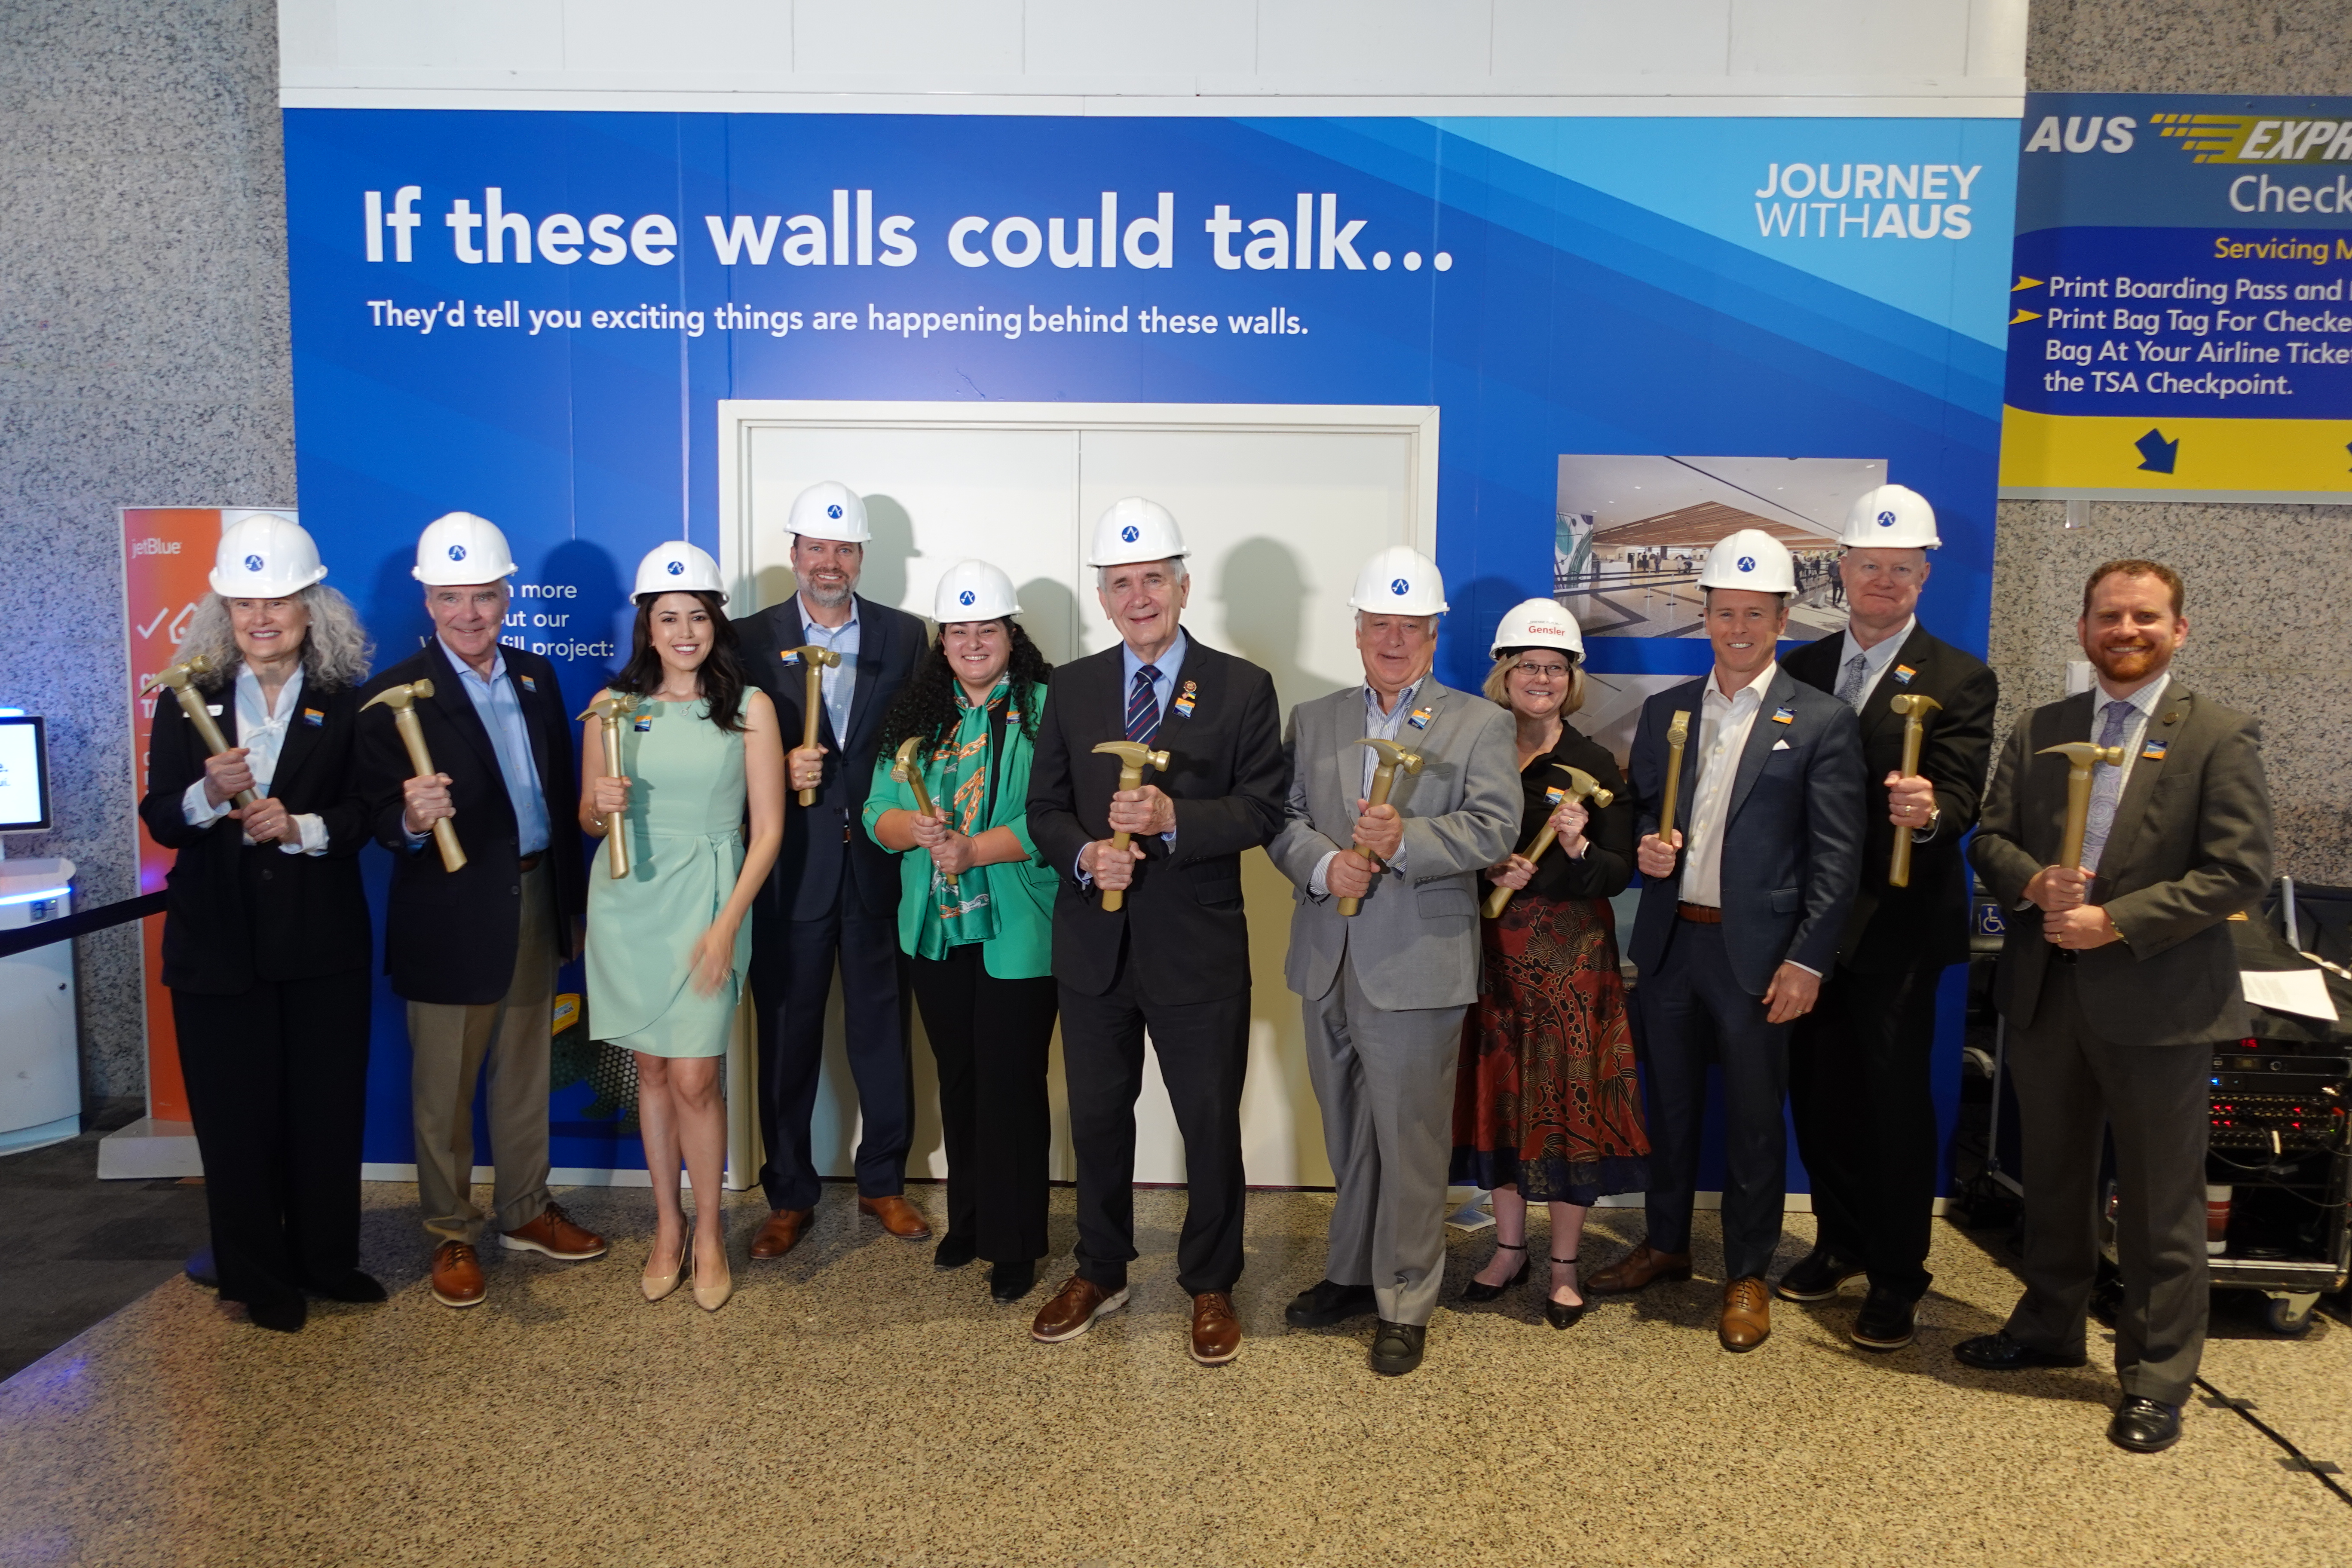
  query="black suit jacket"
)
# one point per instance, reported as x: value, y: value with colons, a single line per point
x: 1226, y: 773
x: 451, y: 939
x: 808, y: 880
x: 234, y: 916
x: 1926, y: 924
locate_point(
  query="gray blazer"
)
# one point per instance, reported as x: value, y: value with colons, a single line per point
x: 1415, y: 942
x: 2190, y: 846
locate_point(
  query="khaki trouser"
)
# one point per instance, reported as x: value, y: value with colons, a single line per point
x: 447, y: 1044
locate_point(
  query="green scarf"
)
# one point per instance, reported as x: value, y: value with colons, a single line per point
x: 960, y: 770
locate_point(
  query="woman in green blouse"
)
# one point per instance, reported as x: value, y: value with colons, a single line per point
x: 979, y: 947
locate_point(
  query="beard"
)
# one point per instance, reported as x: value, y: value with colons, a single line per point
x: 826, y: 598
x: 2125, y: 666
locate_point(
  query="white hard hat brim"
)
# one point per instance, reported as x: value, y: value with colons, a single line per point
x: 264, y: 588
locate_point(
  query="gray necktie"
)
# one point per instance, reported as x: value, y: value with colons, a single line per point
x: 1849, y: 689
x: 2106, y: 787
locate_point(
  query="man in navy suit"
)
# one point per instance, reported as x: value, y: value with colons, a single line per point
x: 1745, y: 896
x: 834, y: 895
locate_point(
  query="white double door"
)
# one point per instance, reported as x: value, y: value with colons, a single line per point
x: 1279, y: 504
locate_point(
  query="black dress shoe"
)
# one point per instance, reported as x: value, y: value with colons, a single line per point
x: 1326, y: 1302
x: 954, y: 1252
x: 1008, y: 1282
x: 356, y: 1286
x: 2145, y: 1425
x: 1817, y: 1276
x: 1886, y: 1321
x: 1397, y: 1348
x: 1478, y: 1290
x: 1562, y: 1314
x: 1998, y: 1352
x: 286, y: 1316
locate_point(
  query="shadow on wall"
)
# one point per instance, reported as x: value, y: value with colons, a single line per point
x: 1261, y: 585
x: 884, y: 577
x: 601, y: 611
x: 1462, y: 660
x: 1049, y: 613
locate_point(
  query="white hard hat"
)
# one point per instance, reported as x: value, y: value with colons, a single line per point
x: 829, y: 510
x: 973, y: 591
x: 677, y: 567
x: 1892, y: 517
x: 264, y: 556
x: 1750, y: 559
x: 1539, y: 623
x: 1400, y: 581
x: 458, y: 548
x: 1136, y: 529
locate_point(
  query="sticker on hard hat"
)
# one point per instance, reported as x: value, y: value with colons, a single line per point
x: 1130, y: 533
x: 1400, y: 586
x: 457, y: 552
x: 965, y: 598
x: 677, y: 568
x: 1748, y: 564
x: 833, y: 512
x: 1886, y: 520
x: 253, y: 563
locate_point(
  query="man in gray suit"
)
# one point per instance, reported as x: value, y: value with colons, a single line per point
x: 2118, y: 979
x: 1385, y: 989
x: 1744, y: 898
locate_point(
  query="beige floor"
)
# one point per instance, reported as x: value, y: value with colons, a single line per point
x: 855, y: 1405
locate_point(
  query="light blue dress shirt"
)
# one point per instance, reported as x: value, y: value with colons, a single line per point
x: 500, y: 710
x: 839, y: 683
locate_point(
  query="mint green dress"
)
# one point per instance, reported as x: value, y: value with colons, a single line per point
x: 685, y: 850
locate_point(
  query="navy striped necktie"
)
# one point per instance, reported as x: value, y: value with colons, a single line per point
x: 1142, y: 707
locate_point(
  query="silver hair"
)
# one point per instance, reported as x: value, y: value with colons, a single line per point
x: 336, y: 649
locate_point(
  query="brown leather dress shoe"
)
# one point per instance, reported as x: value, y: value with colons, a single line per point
x: 1073, y: 1309
x: 1637, y: 1269
x: 899, y: 1217
x: 779, y: 1233
x: 553, y: 1234
x: 457, y: 1275
x: 1747, y: 1314
x: 1216, y: 1332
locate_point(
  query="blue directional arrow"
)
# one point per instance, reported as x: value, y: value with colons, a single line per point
x: 2158, y: 453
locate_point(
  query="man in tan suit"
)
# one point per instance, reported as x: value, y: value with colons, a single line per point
x: 2116, y: 979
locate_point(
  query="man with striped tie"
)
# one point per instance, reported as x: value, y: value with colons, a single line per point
x: 2117, y: 978
x: 1174, y: 957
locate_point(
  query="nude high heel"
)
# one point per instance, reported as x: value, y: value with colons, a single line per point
x: 656, y: 1285
x: 712, y: 1296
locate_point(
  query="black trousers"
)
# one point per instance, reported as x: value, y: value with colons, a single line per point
x: 1203, y: 1052
x: 792, y: 977
x: 277, y: 1080
x: 991, y: 1039
x: 1693, y: 1002
x: 1865, y: 1116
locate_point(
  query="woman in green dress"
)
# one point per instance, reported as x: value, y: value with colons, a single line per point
x: 979, y: 947
x: 668, y: 944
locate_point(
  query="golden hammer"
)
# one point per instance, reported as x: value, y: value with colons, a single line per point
x: 2081, y: 759
x: 1581, y: 786
x: 1133, y: 756
x: 909, y: 771
x: 1393, y: 757
x: 181, y: 678
x: 1677, y: 737
x: 1915, y: 706
x: 608, y: 712
x: 401, y: 701
x: 816, y: 660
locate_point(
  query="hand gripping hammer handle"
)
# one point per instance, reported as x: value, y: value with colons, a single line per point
x: 1393, y: 757
x: 1581, y: 786
x: 905, y: 768
x: 1134, y: 757
x: 608, y: 712
x: 401, y: 701
x: 2081, y: 760
x: 180, y: 677
x: 1914, y: 707
x: 817, y: 661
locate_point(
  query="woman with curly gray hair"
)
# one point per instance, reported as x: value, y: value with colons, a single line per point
x: 265, y: 941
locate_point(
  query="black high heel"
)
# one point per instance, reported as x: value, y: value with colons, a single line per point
x: 1560, y: 1315
x: 1474, y: 1291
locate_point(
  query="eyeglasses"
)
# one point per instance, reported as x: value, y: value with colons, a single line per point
x: 1553, y: 672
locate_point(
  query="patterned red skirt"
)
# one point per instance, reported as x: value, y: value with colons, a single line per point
x: 1547, y: 1098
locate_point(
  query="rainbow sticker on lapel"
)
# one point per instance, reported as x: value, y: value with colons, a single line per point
x: 1903, y: 672
x: 644, y: 724
x: 313, y: 717
x: 1555, y: 794
x: 2153, y: 750
x: 1183, y: 704
x: 1420, y: 716
x: 789, y: 655
x: 528, y: 683
x: 1784, y: 715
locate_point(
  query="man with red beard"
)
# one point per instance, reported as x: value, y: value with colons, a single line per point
x: 2116, y: 979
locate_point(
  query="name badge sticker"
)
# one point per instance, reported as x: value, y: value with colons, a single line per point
x: 313, y: 717
x: 1420, y: 718
x: 2153, y: 752
x: 529, y: 684
x: 1784, y: 715
x: 1903, y: 672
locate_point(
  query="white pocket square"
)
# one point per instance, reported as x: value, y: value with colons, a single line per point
x: 1780, y: 746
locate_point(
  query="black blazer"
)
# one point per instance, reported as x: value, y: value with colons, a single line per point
x: 1608, y: 865
x: 1227, y: 775
x: 451, y: 939
x: 1924, y: 925
x: 234, y: 916
x: 806, y: 883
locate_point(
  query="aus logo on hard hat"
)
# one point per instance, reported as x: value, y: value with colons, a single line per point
x: 457, y: 552
x: 965, y: 598
x: 253, y: 563
x: 677, y: 568
x: 1130, y: 533
x: 1400, y: 586
x: 1886, y: 520
x: 1748, y: 564
x: 834, y: 511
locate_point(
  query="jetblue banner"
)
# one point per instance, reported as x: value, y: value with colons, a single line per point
x: 1637, y: 335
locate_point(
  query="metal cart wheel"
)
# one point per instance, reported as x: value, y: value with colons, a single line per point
x: 2288, y: 1312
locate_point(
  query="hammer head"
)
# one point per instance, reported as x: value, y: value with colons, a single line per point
x: 182, y: 673
x: 1135, y: 755
x: 817, y: 658
x: 1913, y: 705
x: 612, y: 707
x: 399, y: 698
x: 902, y: 766
x: 1393, y: 755
x: 1584, y: 786
x: 1678, y: 730
x: 2082, y: 756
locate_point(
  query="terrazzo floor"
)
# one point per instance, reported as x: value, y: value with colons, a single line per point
x: 855, y: 1405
